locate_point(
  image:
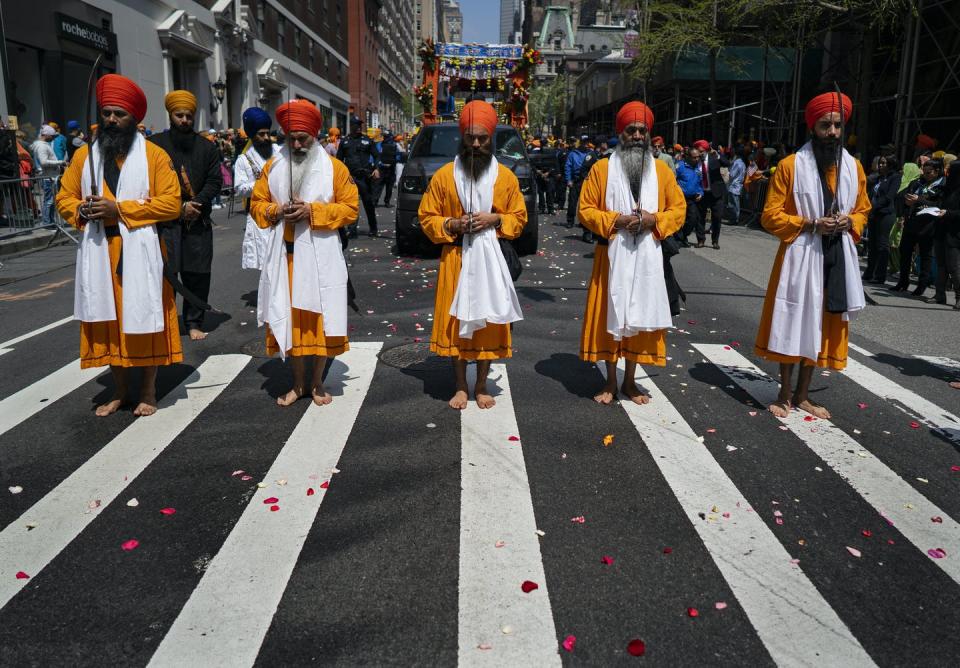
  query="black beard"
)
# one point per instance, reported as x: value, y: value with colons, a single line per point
x: 182, y: 140
x: 826, y: 152
x: 264, y: 148
x: 475, y: 162
x: 115, y: 141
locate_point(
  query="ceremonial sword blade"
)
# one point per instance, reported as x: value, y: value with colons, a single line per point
x: 836, y: 188
x: 91, y: 101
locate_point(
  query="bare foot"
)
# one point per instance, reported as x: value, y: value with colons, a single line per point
x: 484, y: 400
x: 607, y: 395
x: 320, y: 396
x: 197, y: 335
x: 146, y: 407
x: 109, y: 408
x: 290, y: 397
x: 816, y: 410
x: 955, y: 384
x: 459, y: 400
x: 780, y: 408
x: 635, y: 394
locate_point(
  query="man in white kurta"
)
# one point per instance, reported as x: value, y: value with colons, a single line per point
x: 246, y: 171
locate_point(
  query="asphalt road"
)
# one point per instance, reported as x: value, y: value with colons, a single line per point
x: 705, y: 528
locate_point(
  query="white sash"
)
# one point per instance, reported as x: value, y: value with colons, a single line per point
x: 256, y: 239
x: 637, y: 298
x: 142, y: 260
x: 485, y: 292
x: 797, y: 325
x: 319, y: 270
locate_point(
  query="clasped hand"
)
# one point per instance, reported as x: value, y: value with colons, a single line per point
x: 296, y: 211
x: 97, y: 207
x: 473, y: 222
x: 191, y: 210
x: 634, y: 223
x: 828, y: 225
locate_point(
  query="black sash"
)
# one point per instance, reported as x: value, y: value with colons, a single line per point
x: 834, y: 266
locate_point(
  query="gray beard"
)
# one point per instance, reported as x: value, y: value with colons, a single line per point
x: 301, y: 165
x: 632, y: 158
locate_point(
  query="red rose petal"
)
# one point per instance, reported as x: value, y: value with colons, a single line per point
x: 22, y: 576
x: 325, y: 484
x: 914, y: 425
x: 270, y: 500
x: 955, y: 468
x: 605, y: 560
x: 937, y: 553
x: 514, y: 438
x: 861, y: 405
x: 274, y: 509
x: 866, y: 533
x: 636, y: 647
x: 937, y: 520
x: 569, y: 643
x: 131, y: 544
x: 168, y: 511
x: 693, y: 612
x: 310, y: 491
x: 528, y: 586
x: 808, y: 418
x: 668, y: 550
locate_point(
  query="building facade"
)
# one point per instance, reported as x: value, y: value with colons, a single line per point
x: 511, y: 21
x: 250, y: 52
x: 451, y: 22
x: 364, y: 46
x: 427, y: 20
x: 397, y: 55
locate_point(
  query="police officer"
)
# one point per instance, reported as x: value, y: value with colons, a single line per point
x: 589, y: 160
x: 389, y: 153
x: 560, y: 183
x: 359, y: 153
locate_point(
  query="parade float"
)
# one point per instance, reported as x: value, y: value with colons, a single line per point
x: 504, y: 71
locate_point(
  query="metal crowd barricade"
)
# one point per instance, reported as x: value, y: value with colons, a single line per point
x: 22, y: 206
x: 756, y: 200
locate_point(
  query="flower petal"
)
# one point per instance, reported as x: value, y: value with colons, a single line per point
x: 636, y: 647
x: 168, y: 511
x: 310, y: 491
x: 274, y: 509
x: 569, y: 643
x: 128, y: 545
x: 606, y: 561
x: 720, y: 605
x: 325, y: 484
x: 937, y: 553
x: 269, y: 500
x: 693, y: 612
x: 528, y: 586
x: 854, y: 551
x: 23, y: 576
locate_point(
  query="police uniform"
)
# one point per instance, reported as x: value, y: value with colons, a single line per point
x: 359, y: 153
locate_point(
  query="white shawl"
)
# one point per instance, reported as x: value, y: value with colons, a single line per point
x: 255, y: 238
x: 319, y: 270
x: 485, y: 292
x: 797, y: 325
x: 142, y: 260
x: 637, y: 298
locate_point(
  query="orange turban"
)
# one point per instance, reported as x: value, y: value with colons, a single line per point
x: 114, y: 90
x: 180, y: 99
x: 657, y: 141
x: 333, y: 132
x: 300, y: 116
x: 633, y: 112
x: 479, y: 113
x: 826, y: 103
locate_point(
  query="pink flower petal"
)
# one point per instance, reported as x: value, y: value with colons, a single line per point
x: 579, y: 519
x: 854, y: 551
x: 693, y: 612
x: 245, y: 478
x: 236, y: 473
x: 22, y: 576
x: 937, y: 553
x: 325, y: 484
x: 131, y: 544
x: 168, y: 511
x: 514, y: 438
x: 861, y: 405
x: 937, y: 520
x: 866, y: 533
x: 668, y: 550
x: 606, y: 561
x: 914, y: 425
x: 569, y: 643
x: 269, y: 500
x: 720, y: 605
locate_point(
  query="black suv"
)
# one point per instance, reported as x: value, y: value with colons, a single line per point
x: 436, y: 145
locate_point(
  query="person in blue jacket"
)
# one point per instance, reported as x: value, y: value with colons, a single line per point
x: 572, y: 173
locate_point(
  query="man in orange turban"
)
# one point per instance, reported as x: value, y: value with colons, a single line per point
x: 189, y: 236
x: 471, y: 204
x: 303, y: 197
x: 714, y: 192
x: 333, y: 141
x: 133, y: 323
x: 815, y: 286
x: 630, y: 202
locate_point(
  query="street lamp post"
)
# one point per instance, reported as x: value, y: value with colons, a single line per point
x: 219, y: 91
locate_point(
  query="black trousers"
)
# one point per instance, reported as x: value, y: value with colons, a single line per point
x: 559, y: 193
x: 924, y: 245
x: 199, y: 284
x: 388, y: 175
x: 545, y: 196
x: 573, y: 202
x: 715, y: 205
x: 692, y: 222
x: 878, y: 247
x: 365, y: 191
x: 948, y: 262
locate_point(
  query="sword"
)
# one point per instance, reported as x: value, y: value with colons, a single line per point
x: 94, y: 184
x: 836, y: 190
x: 643, y: 168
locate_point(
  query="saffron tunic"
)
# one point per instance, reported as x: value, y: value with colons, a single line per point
x: 103, y: 343
x: 596, y: 343
x: 780, y: 218
x: 307, y: 327
x: 439, y: 203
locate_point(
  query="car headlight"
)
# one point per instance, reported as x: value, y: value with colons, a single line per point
x: 413, y: 184
x: 526, y: 185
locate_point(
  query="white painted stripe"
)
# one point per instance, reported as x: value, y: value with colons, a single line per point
x: 863, y: 351
x: 942, y: 362
x: 796, y: 625
x: 227, y: 616
x: 879, y: 486
x: 32, y: 399
x: 62, y: 514
x: 495, y: 505
x: 29, y: 335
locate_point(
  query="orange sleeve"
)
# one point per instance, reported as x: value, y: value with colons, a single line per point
x: 433, y: 212
x: 775, y: 219
x: 592, y: 206
x: 345, y: 206
x: 164, y: 201
x: 261, y: 202
x: 70, y: 195
x: 508, y: 202
x: 673, y: 205
x: 861, y: 209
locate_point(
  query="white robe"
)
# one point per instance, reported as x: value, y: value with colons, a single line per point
x: 637, y: 298
x: 485, y: 292
x: 246, y: 171
x: 319, y: 270
x: 797, y: 324
x: 142, y: 260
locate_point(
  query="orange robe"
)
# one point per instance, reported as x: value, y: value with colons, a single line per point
x: 439, y: 203
x: 103, y: 343
x: 307, y: 327
x: 596, y: 343
x: 781, y: 219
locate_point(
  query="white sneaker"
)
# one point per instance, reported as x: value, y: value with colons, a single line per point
x: 217, y: 206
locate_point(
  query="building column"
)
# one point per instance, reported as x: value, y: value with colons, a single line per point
x: 167, y: 73
x: 218, y: 69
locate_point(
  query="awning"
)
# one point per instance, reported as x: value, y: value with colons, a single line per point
x: 270, y: 75
x: 185, y: 36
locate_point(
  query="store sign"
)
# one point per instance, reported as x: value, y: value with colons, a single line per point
x: 86, y: 34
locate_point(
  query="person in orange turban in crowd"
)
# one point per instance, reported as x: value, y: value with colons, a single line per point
x: 133, y: 323
x: 189, y: 236
x: 630, y: 202
x: 333, y: 141
x: 304, y: 196
x: 471, y: 204
x: 815, y: 285
x: 657, y: 151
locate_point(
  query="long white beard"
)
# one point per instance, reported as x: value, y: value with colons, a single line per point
x: 301, y: 165
x: 633, y: 161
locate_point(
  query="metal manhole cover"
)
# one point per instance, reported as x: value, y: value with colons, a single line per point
x: 414, y: 356
x: 257, y: 348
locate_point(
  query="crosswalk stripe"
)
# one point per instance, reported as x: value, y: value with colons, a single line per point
x: 938, y: 419
x: 792, y: 619
x: 7, y: 346
x: 495, y: 505
x: 32, y: 399
x: 881, y: 487
x: 62, y: 514
x: 229, y: 613
x: 943, y: 362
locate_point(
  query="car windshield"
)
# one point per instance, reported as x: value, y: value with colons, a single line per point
x: 442, y: 141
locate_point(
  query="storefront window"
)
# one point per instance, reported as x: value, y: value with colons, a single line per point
x: 25, y: 87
